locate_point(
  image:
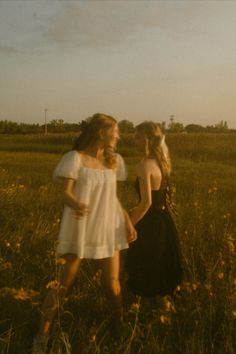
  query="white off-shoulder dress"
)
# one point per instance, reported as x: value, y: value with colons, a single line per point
x: 100, y: 233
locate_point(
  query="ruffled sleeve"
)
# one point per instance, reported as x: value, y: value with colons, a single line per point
x: 68, y: 166
x: 121, y: 171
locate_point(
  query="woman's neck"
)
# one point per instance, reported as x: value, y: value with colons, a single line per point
x: 95, y: 151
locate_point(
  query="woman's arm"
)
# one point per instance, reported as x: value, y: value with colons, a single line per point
x: 144, y: 176
x: 71, y: 201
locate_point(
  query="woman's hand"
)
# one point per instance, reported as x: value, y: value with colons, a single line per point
x: 81, y: 210
x: 131, y: 233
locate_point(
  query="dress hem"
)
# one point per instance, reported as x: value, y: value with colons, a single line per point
x: 91, y: 253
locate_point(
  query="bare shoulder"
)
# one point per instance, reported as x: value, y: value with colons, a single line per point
x: 153, y: 164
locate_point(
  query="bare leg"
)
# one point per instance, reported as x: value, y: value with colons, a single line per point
x: 111, y: 283
x: 50, y: 304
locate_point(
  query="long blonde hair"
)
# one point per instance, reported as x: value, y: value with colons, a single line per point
x: 156, y: 145
x: 89, y: 134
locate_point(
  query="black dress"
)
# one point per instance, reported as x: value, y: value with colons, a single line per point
x: 153, y: 260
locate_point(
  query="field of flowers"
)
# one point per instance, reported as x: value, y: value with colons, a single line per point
x: 200, y: 319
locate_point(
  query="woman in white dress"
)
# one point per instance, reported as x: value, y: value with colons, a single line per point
x: 94, y: 225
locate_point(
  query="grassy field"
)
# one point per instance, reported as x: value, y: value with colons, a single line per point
x: 200, y: 319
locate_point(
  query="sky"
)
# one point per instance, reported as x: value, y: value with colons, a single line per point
x: 136, y: 60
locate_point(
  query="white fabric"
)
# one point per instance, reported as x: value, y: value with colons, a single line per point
x: 68, y: 166
x: 102, y: 231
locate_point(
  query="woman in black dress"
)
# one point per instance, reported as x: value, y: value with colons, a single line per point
x: 153, y: 260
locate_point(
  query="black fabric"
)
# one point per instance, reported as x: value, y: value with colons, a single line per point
x: 153, y: 260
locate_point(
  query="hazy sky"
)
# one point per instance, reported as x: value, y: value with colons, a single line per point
x: 135, y: 60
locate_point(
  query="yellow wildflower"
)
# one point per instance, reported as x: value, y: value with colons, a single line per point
x: 5, y: 265
x: 230, y: 245
x: 135, y: 306
x: 21, y: 295
x: 97, y: 276
x: 169, y: 306
x: 60, y: 261
x: 54, y: 284
x: 208, y: 286
x: 165, y: 319
x: 220, y: 275
x: 92, y: 338
x: 178, y: 288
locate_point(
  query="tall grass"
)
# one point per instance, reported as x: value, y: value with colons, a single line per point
x: 200, y: 319
x: 195, y: 147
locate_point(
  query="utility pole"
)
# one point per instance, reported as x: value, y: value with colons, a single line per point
x: 45, y: 116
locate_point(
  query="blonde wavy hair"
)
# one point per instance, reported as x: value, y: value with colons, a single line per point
x: 89, y: 135
x: 156, y: 145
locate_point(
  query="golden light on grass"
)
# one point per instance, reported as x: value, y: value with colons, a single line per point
x: 23, y: 294
x: 169, y: 304
x: 60, y: 261
x: 165, y: 320
x: 220, y: 275
x: 54, y: 284
x: 135, y: 306
x: 30, y: 213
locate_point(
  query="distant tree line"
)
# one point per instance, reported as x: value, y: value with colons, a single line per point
x: 125, y: 126
x: 54, y: 126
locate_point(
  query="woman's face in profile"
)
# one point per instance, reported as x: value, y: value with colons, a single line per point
x: 111, y: 136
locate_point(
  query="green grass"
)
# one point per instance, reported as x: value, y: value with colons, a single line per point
x: 201, y: 319
x: 195, y: 147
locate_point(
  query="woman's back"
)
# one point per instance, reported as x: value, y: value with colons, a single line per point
x: 149, y: 166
